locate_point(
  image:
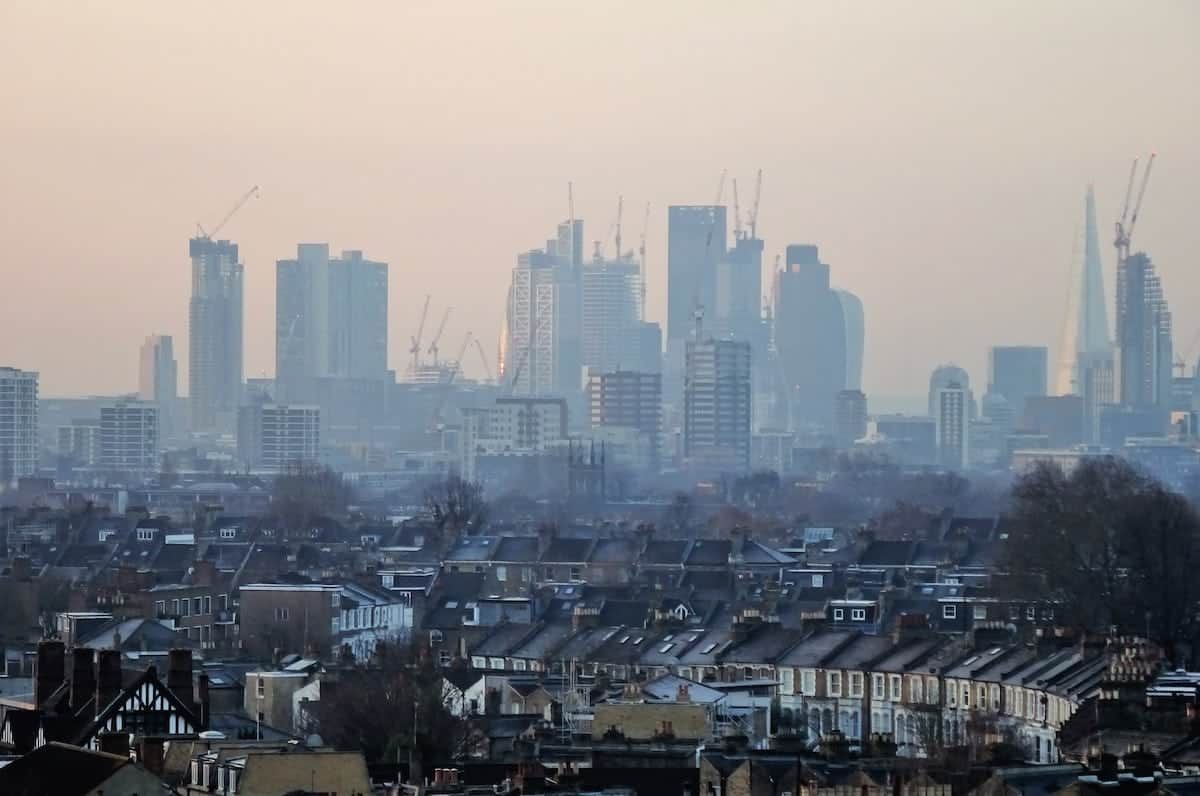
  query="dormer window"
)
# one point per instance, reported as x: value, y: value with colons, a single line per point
x: 145, y: 534
x: 229, y: 533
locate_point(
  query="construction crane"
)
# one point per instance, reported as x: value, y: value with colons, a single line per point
x: 1125, y: 233
x: 721, y: 186
x: 415, y: 348
x: 642, y: 258
x: 444, y: 394
x: 617, y: 239
x: 737, y: 213
x: 753, y: 219
x: 252, y: 193
x: 512, y: 384
x: 437, y: 336
x: 483, y: 358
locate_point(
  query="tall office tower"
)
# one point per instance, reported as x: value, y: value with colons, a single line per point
x: 1087, y: 362
x: 818, y: 337
x: 952, y: 416
x: 717, y: 406
x: 273, y: 437
x: 302, y: 342
x: 738, y: 304
x: 358, y: 317
x: 912, y: 439
x: 129, y: 438
x: 544, y: 326
x: 1144, y: 354
x: 944, y: 376
x: 18, y: 425
x: 215, y: 334
x: 611, y: 314
x: 695, y: 244
x: 626, y: 399
x: 850, y: 418
x: 158, y: 380
x: 1017, y: 372
x: 854, y: 325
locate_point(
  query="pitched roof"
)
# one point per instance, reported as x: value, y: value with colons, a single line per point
x: 59, y: 769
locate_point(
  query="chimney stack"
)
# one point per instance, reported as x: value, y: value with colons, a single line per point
x: 202, y: 699
x: 179, y: 676
x: 49, y: 669
x: 108, y: 680
x: 83, y: 677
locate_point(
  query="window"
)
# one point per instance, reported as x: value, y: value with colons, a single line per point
x: 894, y: 684
x: 229, y: 533
x: 501, y: 574
x: 808, y: 682
x: 519, y: 664
x: 175, y: 607
x: 787, y: 681
x: 995, y: 690
x: 160, y: 608
x: 951, y: 694
x: 479, y: 662
x: 208, y: 605
x: 1031, y: 613
x: 914, y: 688
x: 835, y: 684
x: 856, y: 684
x: 859, y: 614
x: 224, y: 602
x: 335, y: 626
x: 980, y: 612
x: 1014, y: 612
x: 575, y: 573
x: 145, y: 534
x: 444, y: 658
x: 186, y: 605
x: 931, y: 690
x: 281, y: 614
x: 966, y: 695
x: 877, y: 687
x: 949, y: 612
x: 838, y: 614
x: 197, y: 606
x: 983, y: 700
x: 260, y: 687
x: 335, y: 599
x: 818, y: 581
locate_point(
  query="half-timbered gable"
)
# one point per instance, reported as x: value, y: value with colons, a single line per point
x: 147, y: 707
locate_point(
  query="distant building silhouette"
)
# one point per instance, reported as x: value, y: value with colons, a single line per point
x: 215, y: 334
x: 850, y: 415
x: 952, y: 418
x: 818, y: 336
x: 158, y: 380
x: 1017, y: 373
x: 1144, y: 352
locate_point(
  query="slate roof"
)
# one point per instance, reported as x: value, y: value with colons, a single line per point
x: 473, y: 548
x: 567, y: 551
x: 665, y: 552
x: 517, y: 549
x: 882, y: 553
x: 615, y: 551
x: 59, y: 769
x: 136, y: 635
x: 710, y: 552
x: 815, y: 649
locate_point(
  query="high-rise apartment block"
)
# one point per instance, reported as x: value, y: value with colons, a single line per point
x: 79, y: 442
x: 18, y: 425
x: 952, y: 418
x: 273, y: 437
x: 129, y: 437
x: 215, y: 334
x: 717, y: 406
x: 626, y: 399
x: 695, y: 245
x: 1017, y: 373
x: 358, y: 317
x: 513, y: 426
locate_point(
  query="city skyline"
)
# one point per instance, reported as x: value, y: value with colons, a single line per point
x: 952, y: 195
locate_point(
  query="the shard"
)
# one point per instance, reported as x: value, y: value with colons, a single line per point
x: 1086, y: 364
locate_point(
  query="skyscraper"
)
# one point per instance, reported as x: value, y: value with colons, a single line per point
x: 158, y: 379
x: 1017, y: 373
x: 358, y: 317
x: 944, y: 376
x: 695, y: 244
x: 818, y: 336
x: 302, y: 342
x: 738, y: 304
x: 611, y: 314
x: 215, y: 334
x: 717, y: 406
x: 1144, y: 354
x: 850, y: 418
x: 1086, y: 365
x: 544, y: 325
x: 18, y: 425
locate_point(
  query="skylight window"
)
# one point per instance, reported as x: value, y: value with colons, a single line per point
x: 623, y: 639
x: 639, y: 640
x: 668, y: 637
x: 665, y: 648
x: 708, y: 649
x: 452, y: 603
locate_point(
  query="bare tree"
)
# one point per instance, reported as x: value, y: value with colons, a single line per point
x: 305, y: 493
x: 457, y: 505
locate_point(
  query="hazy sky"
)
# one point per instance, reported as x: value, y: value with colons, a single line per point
x: 936, y: 151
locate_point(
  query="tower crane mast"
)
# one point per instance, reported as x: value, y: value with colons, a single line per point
x: 415, y: 348
x: 433, y: 346
x: 246, y: 197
